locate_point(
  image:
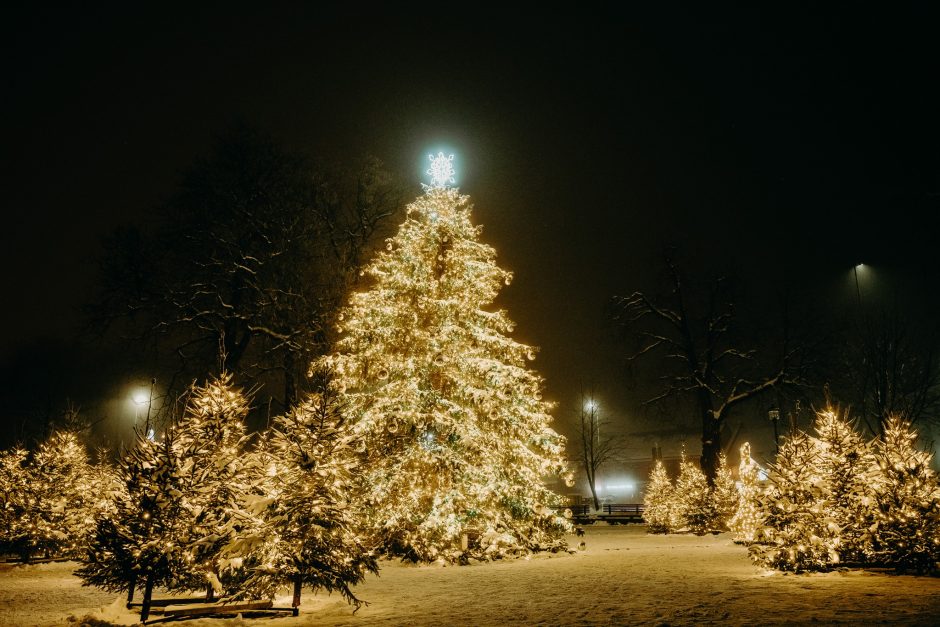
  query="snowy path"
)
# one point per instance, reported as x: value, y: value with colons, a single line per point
x: 624, y: 577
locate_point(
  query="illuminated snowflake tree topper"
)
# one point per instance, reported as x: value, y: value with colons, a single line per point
x: 441, y: 170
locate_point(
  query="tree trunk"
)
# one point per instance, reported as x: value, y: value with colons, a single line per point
x: 711, y: 448
x: 297, y: 585
x: 597, y: 503
x: 290, y: 384
x: 148, y: 592
x: 210, y: 593
x: 131, y: 584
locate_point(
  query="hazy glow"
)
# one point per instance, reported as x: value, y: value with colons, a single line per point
x: 141, y: 398
x: 629, y: 487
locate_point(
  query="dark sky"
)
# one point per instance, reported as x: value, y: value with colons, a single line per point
x: 789, y: 144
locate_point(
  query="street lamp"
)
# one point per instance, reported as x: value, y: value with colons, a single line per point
x: 140, y: 398
x: 591, y: 408
x: 773, y: 414
x: 858, y: 292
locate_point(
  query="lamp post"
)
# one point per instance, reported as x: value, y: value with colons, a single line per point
x: 858, y: 291
x: 773, y: 414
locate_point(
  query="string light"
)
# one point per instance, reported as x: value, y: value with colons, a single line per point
x: 747, y: 520
x: 462, y: 439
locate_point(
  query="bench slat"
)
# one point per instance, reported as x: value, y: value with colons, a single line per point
x: 196, y: 609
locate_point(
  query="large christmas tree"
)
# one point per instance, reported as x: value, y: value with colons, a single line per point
x: 457, y: 435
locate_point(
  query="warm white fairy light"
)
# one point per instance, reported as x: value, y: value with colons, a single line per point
x: 443, y: 396
x: 442, y: 170
x: 658, y: 502
x: 747, y: 519
x: 834, y: 497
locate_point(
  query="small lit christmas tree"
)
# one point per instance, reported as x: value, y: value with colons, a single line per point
x: 798, y: 534
x: 659, y: 511
x: 458, y: 438
x: 747, y: 519
x: 47, y: 498
x: 306, y: 532
x: 106, y: 484
x: 724, y: 494
x: 143, y: 540
x: 846, y: 463
x: 694, y: 500
x: 17, y: 499
x: 210, y: 443
x: 906, y: 531
x: 67, y: 505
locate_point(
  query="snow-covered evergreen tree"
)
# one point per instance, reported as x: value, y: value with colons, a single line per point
x: 747, y: 519
x: 694, y: 500
x: 306, y: 514
x: 106, y: 483
x: 798, y: 533
x: 846, y: 464
x: 144, y: 540
x: 210, y: 443
x: 659, y: 508
x: 17, y: 499
x: 66, y: 510
x: 906, y: 530
x: 724, y: 495
x: 47, y: 498
x: 457, y: 435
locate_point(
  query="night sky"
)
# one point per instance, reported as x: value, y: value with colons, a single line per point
x: 787, y: 145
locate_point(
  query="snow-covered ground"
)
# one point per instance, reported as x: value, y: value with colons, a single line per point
x: 623, y: 577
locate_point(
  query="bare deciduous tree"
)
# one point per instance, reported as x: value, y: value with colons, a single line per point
x: 597, y: 448
x: 701, y: 357
x: 248, y: 263
x: 895, y: 371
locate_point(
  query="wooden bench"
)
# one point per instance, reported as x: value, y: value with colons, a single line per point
x: 621, y: 513
x: 581, y: 514
x: 613, y: 513
x: 216, y: 608
x: 232, y: 607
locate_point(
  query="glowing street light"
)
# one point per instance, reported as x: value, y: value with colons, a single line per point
x: 858, y: 292
x: 140, y: 398
x: 591, y: 408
